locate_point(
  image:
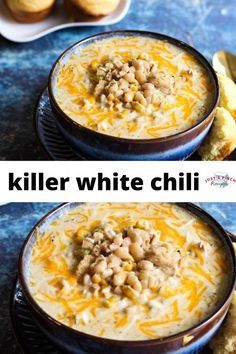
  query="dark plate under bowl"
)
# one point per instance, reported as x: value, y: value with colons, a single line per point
x: 77, y: 342
x: 98, y: 145
x: 30, y: 338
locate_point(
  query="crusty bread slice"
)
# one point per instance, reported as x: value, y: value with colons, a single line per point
x: 96, y: 7
x: 227, y: 94
x: 29, y: 14
x: 225, y: 340
x: 221, y: 141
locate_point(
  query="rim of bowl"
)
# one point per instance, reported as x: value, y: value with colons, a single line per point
x: 174, y: 41
x: 187, y: 206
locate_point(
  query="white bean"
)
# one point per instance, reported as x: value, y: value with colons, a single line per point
x: 100, y: 266
x: 135, y: 236
x: 134, y: 282
x: 126, y: 242
x: 116, y: 270
x: 140, y: 76
x: 146, y: 265
x: 130, y: 78
x: 138, y: 64
x: 113, y: 88
x: 113, y: 261
x: 123, y: 84
x: 122, y: 252
x: 87, y: 279
x: 98, y: 236
x: 128, y: 97
x: 118, y: 290
x: 148, y: 86
x: 107, y: 272
x: 119, y: 279
x: 136, y: 251
x: 107, y: 292
x: 140, y: 98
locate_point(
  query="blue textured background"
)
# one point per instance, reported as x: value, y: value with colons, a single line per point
x: 208, y: 25
x: 16, y: 220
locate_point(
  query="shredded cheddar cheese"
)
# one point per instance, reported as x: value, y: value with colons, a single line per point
x: 174, y: 112
x: 187, y: 288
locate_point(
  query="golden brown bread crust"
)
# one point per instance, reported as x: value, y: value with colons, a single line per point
x: 77, y: 14
x: 227, y: 94
x: 221, y: 141
x: 93, y: 8
x: 225, y: 340
x: 30, y: 17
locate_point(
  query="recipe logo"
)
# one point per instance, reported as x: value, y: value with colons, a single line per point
x: 220, y: 180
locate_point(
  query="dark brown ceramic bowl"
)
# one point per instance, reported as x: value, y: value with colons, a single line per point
x: 73, y: 341
x: 106, y: 147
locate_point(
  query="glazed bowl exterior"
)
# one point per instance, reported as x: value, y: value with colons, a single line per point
x: 73, y: 341
x: 105, y: 147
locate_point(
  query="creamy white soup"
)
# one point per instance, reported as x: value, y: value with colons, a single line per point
x: 134, y: 87
x: 128, y: 271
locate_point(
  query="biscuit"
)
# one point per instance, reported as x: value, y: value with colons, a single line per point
x: 221, y: 141
x: 227, y: 94
x: 225, y: 340
x: 29, y: 11
x: 96, y: 7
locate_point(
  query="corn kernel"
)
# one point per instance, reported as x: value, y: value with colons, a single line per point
x: 134, y: 88
x: 94, y: 65
x: 143, y: 56
x: 55, y: 223
x: 91, y: 99
x: 105, y: 58
x: 96, y: 279
x: 80, y: 234
x: 94, y: 225
x: 128, y: 266
x: 111, y: 97
x: 69, y: 233
x: 138, y: 107
x: 110, y: 302
x: 123, y: 114
x: 142, y: 224
x: 130, y: 294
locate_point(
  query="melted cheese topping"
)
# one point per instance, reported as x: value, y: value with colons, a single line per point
x: 177, y: 112
x: 183, y: 300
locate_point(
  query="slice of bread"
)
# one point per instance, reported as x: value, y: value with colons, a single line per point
x: 30, y: 11
x: 96, y: 7
x: 225, y: 340
x: 221, y: 141
x: 227, y: 94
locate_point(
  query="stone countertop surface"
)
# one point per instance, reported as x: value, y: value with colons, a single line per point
x: 17, y: 219
x: 208, y: 25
